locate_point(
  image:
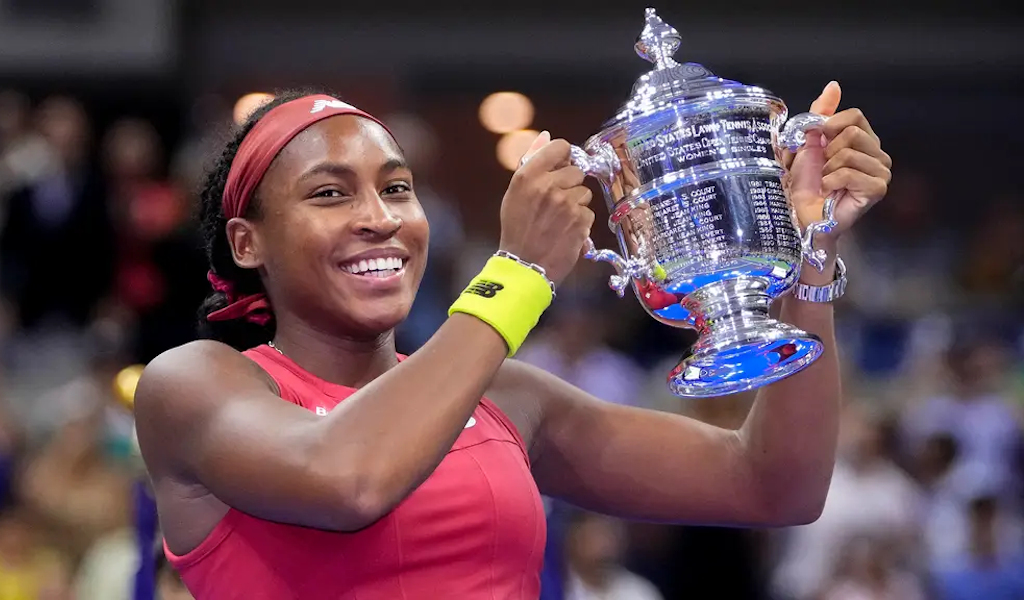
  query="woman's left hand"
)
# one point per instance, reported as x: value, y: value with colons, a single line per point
x: 845, y: 155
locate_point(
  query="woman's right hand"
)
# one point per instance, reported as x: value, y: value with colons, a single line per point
x: 544, y: 214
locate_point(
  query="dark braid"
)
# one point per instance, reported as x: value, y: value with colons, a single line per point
x: 238, y: 333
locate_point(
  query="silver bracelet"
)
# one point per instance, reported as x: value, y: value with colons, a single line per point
x: 823, y: 293
x: 530, y: 265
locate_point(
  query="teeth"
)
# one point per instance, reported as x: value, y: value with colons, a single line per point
x: 380, y: 267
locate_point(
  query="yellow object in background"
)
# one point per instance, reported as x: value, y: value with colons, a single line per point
x: 125, y: 383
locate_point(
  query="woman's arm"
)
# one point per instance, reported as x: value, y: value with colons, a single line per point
x: 207, y: 415
x: 638, y: 463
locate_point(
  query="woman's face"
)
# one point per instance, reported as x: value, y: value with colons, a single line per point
x: 341, y: 239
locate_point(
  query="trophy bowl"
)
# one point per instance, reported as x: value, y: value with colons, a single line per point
x: 690, y: 170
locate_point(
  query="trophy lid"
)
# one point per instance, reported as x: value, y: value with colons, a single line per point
x: 672, y: 83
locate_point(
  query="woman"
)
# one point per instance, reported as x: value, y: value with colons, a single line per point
x: 319, y: 464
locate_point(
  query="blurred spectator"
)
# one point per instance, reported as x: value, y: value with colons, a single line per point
x: 24, y: 154
x: 159, y: 265
x: 869, y: 571
x: 985, y: 571
x: 28, y: 569
x: 869, y: 496
x: 594, y: 551
x: 75, y: 493
x: 572, y: 345
x: 56, y: 246
x: 421, y: 146
x: 992, y: 271
x: 976, y: 413
x: 108, y: 567
x: 944, y: 519
x: 91, y: 392
x: 903, y: 258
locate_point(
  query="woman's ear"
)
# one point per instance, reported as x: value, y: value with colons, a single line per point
x: 245, y: 243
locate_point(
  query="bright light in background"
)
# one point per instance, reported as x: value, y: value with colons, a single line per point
x: 248, y: 103
x: 505, y: 112
x: 512, y: 146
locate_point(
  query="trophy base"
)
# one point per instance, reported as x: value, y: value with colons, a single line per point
x: 739, y: 346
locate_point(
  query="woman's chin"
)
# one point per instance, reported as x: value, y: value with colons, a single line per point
x: 378, y: 317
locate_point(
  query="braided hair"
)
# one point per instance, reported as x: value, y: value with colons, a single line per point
x: 237, y: 333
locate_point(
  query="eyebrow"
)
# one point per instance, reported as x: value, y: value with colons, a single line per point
x: 342, y: 170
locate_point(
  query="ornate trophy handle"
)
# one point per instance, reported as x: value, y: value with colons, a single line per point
x: 792, y: 137
x: 623, y: 268
x: 604, y: 165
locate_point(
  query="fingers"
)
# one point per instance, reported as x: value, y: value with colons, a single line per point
x: 859, y: 161
x: 568, y: 177
x: 828, y: 101
x: 859, y: 184
x: 851, y: 117
x: 552, y: 155
x: 586, y: 219
x: 787, y: 159
x: 580, y: 195
x: 542, y: 138
x: 859, y: 140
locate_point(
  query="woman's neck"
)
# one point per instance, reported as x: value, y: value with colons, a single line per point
x: 343, y: 361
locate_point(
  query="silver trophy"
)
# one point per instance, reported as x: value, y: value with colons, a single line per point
x: 690, y: 170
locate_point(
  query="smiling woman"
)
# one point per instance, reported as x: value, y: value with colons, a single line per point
x: 294, y: 454
x: 324, y: 181
x: 317, y: 245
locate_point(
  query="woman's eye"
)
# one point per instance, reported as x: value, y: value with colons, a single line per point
x: 328, y: 194
x: 396, y: 189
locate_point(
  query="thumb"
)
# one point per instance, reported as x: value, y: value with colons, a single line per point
x: 542, y: 139
x: 828, y: 102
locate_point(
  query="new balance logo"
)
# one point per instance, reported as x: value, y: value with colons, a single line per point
x: 319, y: 105
x: 487, y: 289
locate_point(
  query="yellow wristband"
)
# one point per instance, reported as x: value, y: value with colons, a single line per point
x: 508, y: 296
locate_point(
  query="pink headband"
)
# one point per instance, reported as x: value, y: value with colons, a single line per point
x: 255, y: 154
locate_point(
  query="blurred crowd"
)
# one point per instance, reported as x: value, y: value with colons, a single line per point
x: 101, y: 267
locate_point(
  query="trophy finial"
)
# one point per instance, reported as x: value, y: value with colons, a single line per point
x: 658, y: 41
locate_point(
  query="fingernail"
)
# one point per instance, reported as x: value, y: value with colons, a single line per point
x: 824, y: 141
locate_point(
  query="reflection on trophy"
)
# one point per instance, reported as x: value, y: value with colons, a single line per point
x: 689, y: 169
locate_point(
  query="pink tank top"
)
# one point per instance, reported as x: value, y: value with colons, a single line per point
x: 474, y: 529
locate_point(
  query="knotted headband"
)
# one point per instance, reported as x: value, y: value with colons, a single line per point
x: 255, y: 155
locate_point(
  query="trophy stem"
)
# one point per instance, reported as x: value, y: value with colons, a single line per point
x: 740, y: 346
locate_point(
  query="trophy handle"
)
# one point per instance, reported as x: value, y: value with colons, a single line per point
x: 623, y: 269
x: 603, y: 165
x: 792, y: 137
